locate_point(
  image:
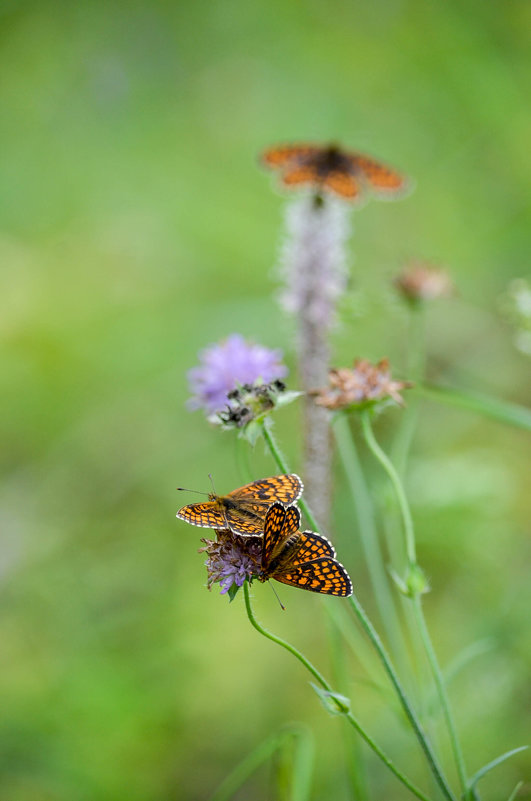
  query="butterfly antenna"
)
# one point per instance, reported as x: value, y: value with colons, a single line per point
x: 212, y: 482
x: 278, y: 599
x: 183, y: 489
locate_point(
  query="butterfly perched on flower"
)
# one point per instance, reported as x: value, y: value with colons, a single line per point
x: 329, y: 168
x: 301, y: 558
x: 243, y: 510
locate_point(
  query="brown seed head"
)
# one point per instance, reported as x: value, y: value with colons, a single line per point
x: 364, y: 384
x: 421, y: 281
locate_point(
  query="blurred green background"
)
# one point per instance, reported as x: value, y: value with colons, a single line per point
x: 136, y: 228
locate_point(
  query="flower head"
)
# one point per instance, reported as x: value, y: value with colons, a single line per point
x: 226, y: 365
x: 231, y: 560
x: 421, y: 281
x: 362, y: 385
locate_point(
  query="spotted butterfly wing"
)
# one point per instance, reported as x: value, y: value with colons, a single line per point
x: 381, y: 178
x: 301, y: 559
x: 243, y: 510
x: 278, y: 157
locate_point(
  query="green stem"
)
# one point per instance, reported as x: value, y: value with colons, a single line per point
x: 404, y: 700
x: 355, y: 767
x: 368, y: 534
x: 277, y: 455
x: 300, y: 779
x: 375, y: 639
x: 417, y: 606
x: 324, y: 684
x: 397, y: 484
x: 441, y: 689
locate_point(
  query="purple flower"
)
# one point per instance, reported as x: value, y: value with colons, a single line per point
x: 231, y: 559
x: 227, y: 364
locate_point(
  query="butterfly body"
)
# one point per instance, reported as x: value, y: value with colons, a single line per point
x: 243, y: 510
x: 302, y: 559
x: 329, y: 168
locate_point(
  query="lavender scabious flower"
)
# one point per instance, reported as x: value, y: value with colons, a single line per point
x: 231, y: 560
x: 226, y: 365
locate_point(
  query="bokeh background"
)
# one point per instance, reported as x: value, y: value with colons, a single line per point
x: 136, y: 228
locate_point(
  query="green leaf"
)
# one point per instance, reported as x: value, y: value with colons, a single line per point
x: 514, y: 792
x: 334, y: 703
x: 486, y: 768
x: 251, y: 432
x: 502, y: 411
x: 232, y: 592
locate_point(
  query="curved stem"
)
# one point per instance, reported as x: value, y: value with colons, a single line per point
x: 368, y: 534
x: 372, y: 634
x: 441, y: 689
x: 397, y: 484
x: 417, y: 605
x: 324, y: 684
x: 277, y: 455
x: 404, y: 700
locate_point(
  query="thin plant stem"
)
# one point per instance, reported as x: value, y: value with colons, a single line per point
x: 277, y: 455
x: 404, y: 700
x: 375, y: 639
x: 257, y: 757
x: 324, y: 684
x: 368, y: 534
x: 388, y: 466
x: 355, y: 767
x: 417, y: 605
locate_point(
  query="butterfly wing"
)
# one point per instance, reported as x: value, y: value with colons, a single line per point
x: 311, y: 546
x: 343, y: 184
x: 281, y: 156
x: 280, y: 524
x: 379, y: 177
x: 285, y: 489
x: 205, y: 515
x: 300, y: 174
x: 324, y: 575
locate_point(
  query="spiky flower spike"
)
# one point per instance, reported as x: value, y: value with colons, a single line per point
x: 361, y: 386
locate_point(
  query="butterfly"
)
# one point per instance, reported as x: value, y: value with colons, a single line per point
x: 331, y: 169
x: 243, y: 510
x: 303, y: 559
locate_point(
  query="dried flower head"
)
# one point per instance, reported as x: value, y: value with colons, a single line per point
x: 421, y: 281
x: 228, y: 364
x: 362, y: 385
x: 231, y: 560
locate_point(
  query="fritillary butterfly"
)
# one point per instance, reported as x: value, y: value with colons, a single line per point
x: 243, y: 510
x: 303, y: 559
x: 332, y: 169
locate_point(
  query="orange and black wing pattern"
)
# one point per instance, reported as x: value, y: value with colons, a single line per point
x: 329, y: 168
x: 301, y: 559
x: 381, y: 179
x: 206, y: 515
x: 284, y: 155
x: 244, y: 509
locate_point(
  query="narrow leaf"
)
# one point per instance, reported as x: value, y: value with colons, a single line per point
x: 486, y: 768
x: 496, y: 409
x: 334, y: 703
x: 515, y: 792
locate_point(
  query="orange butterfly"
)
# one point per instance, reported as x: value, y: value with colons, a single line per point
x: 302, y: 559
x: 243, y: 510
x: 331, y: 169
